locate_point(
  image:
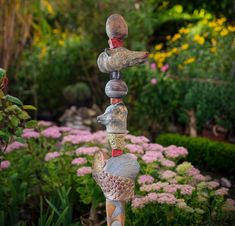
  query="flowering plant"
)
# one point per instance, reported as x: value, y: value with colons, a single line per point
x: 55, y: 164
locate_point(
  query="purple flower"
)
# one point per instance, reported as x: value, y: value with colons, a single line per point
x: 153, y: 81
x: 14, y: 146
x: 83, y: 171
x: 165, y: 68
x: 145, y: 179
x: 51, y: 132
x: 79, y: 161
x: 4, y: 164
x: 51, y: 155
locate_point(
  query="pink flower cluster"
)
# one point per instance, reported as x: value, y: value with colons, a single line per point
x: 86, y: 150
x: 221, y: 191
x: 51, y: 155
x: 167, y: 174
x: 167, y: 163
x: 30, y: 133
x: 145, y: 179
x: 137, y: 139
x: 15, y: 146
x: 135, y: 148
x: 83, y: 171
x: 153, y: 147
x: 152, y: 156
x: 4, y: 164
x: 161, y: 198
x: 79, y: 161
x: 174, y: 152
x: 79, y: 136
x: 52, y: 132
x: 45, y: 123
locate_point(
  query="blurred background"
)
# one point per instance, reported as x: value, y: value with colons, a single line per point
x: 49, y: 49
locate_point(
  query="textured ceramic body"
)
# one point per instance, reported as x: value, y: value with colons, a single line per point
x: 116, y: 59
x: 117, y: 141
x: 116, y: 88
x: 114, y: 118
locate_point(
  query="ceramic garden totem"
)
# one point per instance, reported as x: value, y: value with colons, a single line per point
x: 116, y: 174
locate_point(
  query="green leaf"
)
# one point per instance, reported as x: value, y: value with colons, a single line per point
x: 14, y: 121
x: 1, y: 94
x: 31, y: 124
x: 24, y: 115
x: 12, y: 99
x: 29, y: 107
x: 13, y: 108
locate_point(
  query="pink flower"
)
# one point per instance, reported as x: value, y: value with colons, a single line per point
x: 152, y: 197
x: 165, y: 68
x: 79, y: 161
x: 51, y: 155
x: 171, y: 188
x: 153, y: 66
x: 83, y: 171
x: 153, y: 81
x: 173, y: 152
x: 134, y: 148
x: 166, y: 198
x: 86, y: 150
x: 145, y: 179
x: 152, y: 156
x: 65, y: 129
x: 45, y: 123
x: 51, y: 132
x: 14, y: 146
x: 137, y: 139
x: 138, y: 202
x: 212, y: 184
x: 167, y: 174
x: 153, y: 187
x: 153, y: 147
x: 221, y: 191
x: 186, y: 189
x: 30, y: 134
x: 4, y: 164
x: 167, y: 163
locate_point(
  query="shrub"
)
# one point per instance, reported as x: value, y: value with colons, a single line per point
x: 212, y: 155
x: 51, y: 172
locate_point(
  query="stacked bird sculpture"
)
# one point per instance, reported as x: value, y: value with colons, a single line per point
x: 116, y: 174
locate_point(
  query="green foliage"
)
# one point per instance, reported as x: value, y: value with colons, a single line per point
x: 13, y: 115
x: 215, y: 156
x: 79, y: 92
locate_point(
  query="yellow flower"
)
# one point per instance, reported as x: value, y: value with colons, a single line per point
x: 221, y: 20
x: 159, y: 64
x: 43, y: 52
x: 184, y: 46
x: 231, y: 28
x: 183, y: 30
x: 159, y: 46
x: 224, y: 32
x: 168, y: 37
x: 175, y: 50
x: 49, y: 7
x: 214, y: 42
x: 151, y: 55
x: 217, y: 29
x: 189, y: 60
x: 176, y: 37
x: 199, y: 39
x: 212, y: 24
x: 61, y: 42
x: 213, y: 49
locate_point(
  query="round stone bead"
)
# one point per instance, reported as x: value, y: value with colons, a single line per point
x: 116, y: 88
